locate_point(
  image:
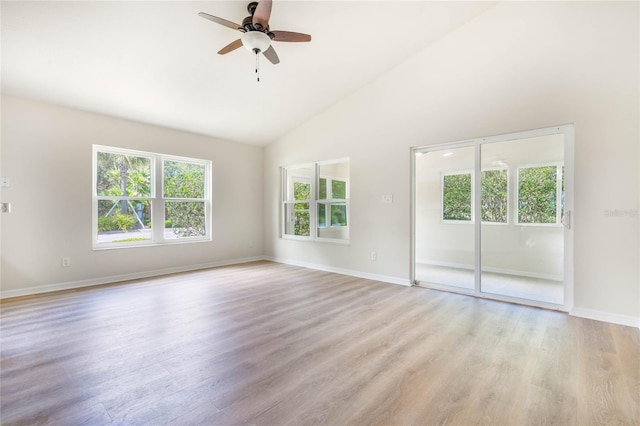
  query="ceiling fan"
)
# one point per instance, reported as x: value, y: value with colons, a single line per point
x: 257, y: 35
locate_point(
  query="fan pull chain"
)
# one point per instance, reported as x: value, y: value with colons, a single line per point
x: 258, y: 66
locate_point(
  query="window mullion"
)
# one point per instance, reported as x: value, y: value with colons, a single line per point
x: 313, y: 202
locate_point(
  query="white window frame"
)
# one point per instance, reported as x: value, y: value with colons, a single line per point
x: 329, y: 201
x: 288, y: 180
x: 559, y: 173
x: 156, y: 198
x: 473, y: 195
x: 456, y: 173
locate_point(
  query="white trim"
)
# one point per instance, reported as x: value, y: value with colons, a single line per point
x: 124, y: 277
x: 606, y: 317
x: 352, y: 273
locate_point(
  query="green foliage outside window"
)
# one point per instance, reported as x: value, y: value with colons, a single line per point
x: 185, y: 181
x: 537, y: 191
x: 456, y: 197
x: 322, y: 215
x: 338, y: 211
x: 494, y: 196
x: 322, y: 189
x: 537, y: 195
x: 338, y: 189
x: 338, y: 215
x: 187, y: 218
x: 301, y: 191
x: 116, y: 222
x: 122, y: 175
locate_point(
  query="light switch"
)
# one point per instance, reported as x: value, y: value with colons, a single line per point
x: 4, y: 182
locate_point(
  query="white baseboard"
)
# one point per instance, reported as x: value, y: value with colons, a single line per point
x: 359, y: 274
x: 118, y: 278
x: 606, y: 317
x: 577, y: 312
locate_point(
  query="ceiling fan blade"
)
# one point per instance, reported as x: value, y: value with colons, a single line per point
x: 271, y: 55
x: 290, y: 36
x: 262, y: 13
x: 220, y: 21
x: 230, y: 47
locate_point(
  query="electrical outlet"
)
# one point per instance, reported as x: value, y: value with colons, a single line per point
x: 66, y: 262
x: 387, y: 199
x: 374, y: 256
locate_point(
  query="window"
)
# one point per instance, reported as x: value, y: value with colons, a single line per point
x: 146, y: 198
x: 297, y: 201
x: 457, y: 196
x: 540, y: 194
x: 316, y: 201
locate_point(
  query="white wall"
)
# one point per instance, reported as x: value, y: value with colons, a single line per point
x: 518, y: 66
x: 46, y: 151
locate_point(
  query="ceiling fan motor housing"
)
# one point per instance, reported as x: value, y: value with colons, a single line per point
x: 251, y: 7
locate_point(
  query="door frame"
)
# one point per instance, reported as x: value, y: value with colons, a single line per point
x: 569, y: 135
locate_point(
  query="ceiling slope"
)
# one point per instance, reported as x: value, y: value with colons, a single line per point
x: 156, y: 62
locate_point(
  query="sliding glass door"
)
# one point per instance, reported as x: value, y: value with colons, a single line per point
x: 491, y: 217
x: 522, y: 209
x: 444, y: 217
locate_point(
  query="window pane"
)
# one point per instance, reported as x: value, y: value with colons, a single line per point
x: 494, y: 196
x: 456, y: 197
x: 298, y: 182
x: 338, y: 215
x: 322, y: 215
x: 301, y: 191
x: 184, y: 219
x: 124, y: 221
x: 322, y: 189
x: 338, y: 189
x: 123, y: 175
x: 537, y: 194
x: 297, y: 219
x: 183, y: 180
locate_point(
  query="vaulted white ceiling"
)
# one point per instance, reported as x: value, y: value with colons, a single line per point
x: 156, y: 62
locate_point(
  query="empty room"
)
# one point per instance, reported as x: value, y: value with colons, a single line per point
x: 320, y: 212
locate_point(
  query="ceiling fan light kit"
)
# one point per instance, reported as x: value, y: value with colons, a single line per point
x: 256, y: 35
x: 255, y: 41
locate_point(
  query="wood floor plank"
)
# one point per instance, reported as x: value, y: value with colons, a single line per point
x: 270, y: 344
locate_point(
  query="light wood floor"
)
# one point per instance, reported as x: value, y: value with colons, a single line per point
x: 271, y: 344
